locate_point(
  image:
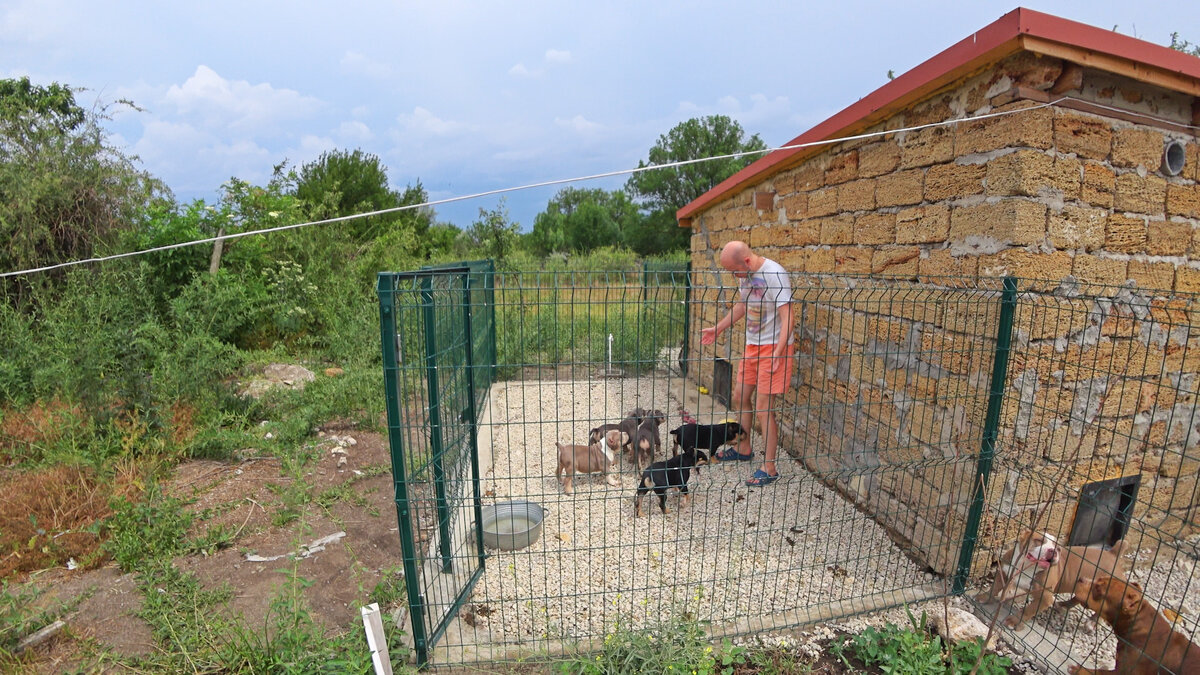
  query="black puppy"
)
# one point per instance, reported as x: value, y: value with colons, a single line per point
x: 670, y: 473
x: 706, y: 436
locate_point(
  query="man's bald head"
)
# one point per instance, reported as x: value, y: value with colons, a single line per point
x: 736, y: 257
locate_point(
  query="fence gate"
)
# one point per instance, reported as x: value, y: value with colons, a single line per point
x: 438, y: 338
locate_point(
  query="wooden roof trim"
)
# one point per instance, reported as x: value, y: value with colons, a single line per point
x: 1118, y: 65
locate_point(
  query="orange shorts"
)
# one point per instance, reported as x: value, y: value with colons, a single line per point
x: 768, y: 374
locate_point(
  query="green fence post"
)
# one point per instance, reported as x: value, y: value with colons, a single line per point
x: 991, y: 426
x: 473, y: 425
x: 687, y: 316
x: 435, y: 421
x: 491, y: 300
x: 386, y: 287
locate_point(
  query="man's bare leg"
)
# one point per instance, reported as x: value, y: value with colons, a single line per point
x: 765, y: 412
x: 743, y: 396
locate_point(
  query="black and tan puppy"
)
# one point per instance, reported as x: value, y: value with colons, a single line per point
x: 647, y: 440
x: 670, y: 473
x: 705, y: 436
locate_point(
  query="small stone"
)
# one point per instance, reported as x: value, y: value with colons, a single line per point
x: 269, y: 436
x: 341, y: 461
x: 350, y: 440
x: 334, y: 372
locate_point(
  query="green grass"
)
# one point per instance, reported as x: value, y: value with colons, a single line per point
x: 914, y: 651
x: 669, y: 647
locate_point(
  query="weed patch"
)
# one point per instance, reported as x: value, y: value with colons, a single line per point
x: 914, y: 650
x: 49, y: 516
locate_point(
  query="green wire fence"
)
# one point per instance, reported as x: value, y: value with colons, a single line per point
x: 925, y: 425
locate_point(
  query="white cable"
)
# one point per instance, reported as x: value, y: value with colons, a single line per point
x: 488, y: 193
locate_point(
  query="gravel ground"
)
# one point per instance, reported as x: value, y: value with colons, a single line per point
x: 733, y: 554
x: 748, y: 560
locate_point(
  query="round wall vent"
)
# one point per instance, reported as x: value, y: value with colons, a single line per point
x: 1173, y: 158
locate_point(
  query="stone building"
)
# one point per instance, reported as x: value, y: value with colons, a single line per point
x: 1037, y: 147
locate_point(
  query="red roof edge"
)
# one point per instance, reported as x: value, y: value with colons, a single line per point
x: 990, y: 43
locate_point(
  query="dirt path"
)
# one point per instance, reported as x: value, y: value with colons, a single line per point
x: 246, y: 498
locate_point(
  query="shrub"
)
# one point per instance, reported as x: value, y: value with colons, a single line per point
x: 147, y: 529
x: 913, y: 650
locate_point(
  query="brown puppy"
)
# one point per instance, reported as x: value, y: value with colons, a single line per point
x: 572, y: 459
x: 612, y: 434
x: 1145, y: 641
x: 1036, y: 565
x: 647, y: 440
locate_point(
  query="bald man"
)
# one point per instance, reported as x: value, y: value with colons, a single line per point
x: 765, y: 301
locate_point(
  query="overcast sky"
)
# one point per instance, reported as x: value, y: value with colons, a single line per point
x: 474, y: 96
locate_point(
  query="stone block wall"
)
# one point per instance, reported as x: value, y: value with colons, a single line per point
x: 893, y: 382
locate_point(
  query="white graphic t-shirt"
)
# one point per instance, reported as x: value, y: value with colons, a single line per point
x: 764, y: 292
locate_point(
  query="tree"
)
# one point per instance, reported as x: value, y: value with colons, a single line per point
x: 582, y: 220
x: 341, y: 183
x: 492, y: 233
x: 64, y: 192
x: 662, y: 192
x: 1183, y: 45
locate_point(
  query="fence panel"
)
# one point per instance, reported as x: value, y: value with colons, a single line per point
x: 925, y: 424
x: 1099, y: 447
x: 436, y: 327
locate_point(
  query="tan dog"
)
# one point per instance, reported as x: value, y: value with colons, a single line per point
x: 1145, y: 641
x: 594, y: 458
x: 1036, y: 565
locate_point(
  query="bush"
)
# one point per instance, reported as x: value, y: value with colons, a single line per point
x: 913, y: 650
x: 673, y: 646
x: 142, y: 531
x: 225, y: 306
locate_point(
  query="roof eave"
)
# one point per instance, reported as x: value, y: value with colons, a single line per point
x: 1020, y: 29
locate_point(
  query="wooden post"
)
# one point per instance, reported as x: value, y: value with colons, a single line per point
x: 215, y: 263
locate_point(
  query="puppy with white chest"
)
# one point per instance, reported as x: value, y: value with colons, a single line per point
x: 595, y: 458
x: 1038, y: 566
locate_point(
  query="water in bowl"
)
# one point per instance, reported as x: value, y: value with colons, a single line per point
x: 512, y: 525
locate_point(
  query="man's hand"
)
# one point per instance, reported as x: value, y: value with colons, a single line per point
x: 708, y: 335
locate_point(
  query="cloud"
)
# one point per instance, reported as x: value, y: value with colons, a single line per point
x: 362, y: 64
x: 520, y: 70
x: 552, y: 56
x: 758, y: 111
x: 422, y: 121
x: 36, y: 21
x: 238, y: 104
x: 578, y: 123
x: 310, y: 148
x: 353, y: 131
x: 165, y: 145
